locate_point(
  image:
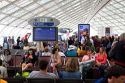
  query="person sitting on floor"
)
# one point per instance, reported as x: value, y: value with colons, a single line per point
x: 42, y: 73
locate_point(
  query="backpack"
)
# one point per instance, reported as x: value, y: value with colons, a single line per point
x: 72, y: 51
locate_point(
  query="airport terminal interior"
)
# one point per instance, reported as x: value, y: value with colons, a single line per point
x: 62, y: 41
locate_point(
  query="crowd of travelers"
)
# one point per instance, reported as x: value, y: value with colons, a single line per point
x: 106, y: 54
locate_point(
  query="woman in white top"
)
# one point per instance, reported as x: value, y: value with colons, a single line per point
x: 6, y: 57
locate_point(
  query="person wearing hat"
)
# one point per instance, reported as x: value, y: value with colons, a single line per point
x: 115, y: 74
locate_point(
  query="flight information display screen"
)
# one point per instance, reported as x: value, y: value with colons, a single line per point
x: 45, y: 34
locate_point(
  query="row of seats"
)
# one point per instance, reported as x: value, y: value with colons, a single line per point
x: 41, y: 80
x: 18, y: 58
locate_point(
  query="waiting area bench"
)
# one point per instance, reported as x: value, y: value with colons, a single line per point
x: 42, y: 80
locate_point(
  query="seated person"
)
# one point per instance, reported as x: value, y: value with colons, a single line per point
x: 81, y: 50
x: 87, y: 61
x: 71, y: 51
x: 46, y: 52
x: 89, y: 55
x: 42, y: 73
x: 56, y: 59
x: 6, y: 57
x: 29, y: 60
x: 3, y: 71
x: 101, y: 60
x: 71, y: 70
x: 115, y: 74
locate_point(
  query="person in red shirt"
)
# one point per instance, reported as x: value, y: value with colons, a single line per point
x: 101, y: 57
x: 101, y: 60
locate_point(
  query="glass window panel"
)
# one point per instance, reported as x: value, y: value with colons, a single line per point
x: 109, y: 12
x: 42, y: 13
x: 10, y: 11
x: 23, y: 3
x: 36, y: 11
x: 113, y: 2
x: 2, y: 16
x: 3, y: 3
x: 15, y: 32
x: 3, y: 33
x: 110, y: 8
x: 114, y: 21
x: 117, y: 11
x: 28, y: 27
x: 23, y: 24
x: 53, y: 8
x: 19, y: 13
x: 43, y: 1
x: 1, y: 28
x: 109, y: 18
x: 7, y: 20
x: 16, y: 23
x: 11, y: 0
x: 122, y: 9
x: 50, y: 15
x: 122, y: 2
x: 8, y: 8
x: 57, y: 14
x: 59, y: 0
x: 120, y: 20
x: 118, y: 23
x: 102, y: 14
x: 31, y: 7
x: 104, y: 9
x: 117, y: 5
x: 26, y: 16
x: 115, y: 16
x: 6, y: 31
x: 50, y: 5
x: 111, y: 24
x: 118, y: 0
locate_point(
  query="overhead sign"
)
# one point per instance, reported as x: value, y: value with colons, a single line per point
x: 43, y: 21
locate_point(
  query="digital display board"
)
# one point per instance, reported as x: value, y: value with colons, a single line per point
x: 45, y: 34
x: 83, y: 30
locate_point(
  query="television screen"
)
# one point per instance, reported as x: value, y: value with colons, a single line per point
x: 83, y: 30
x: 45, y: 34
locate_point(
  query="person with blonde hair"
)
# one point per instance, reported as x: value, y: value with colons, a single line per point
x: 71, y: 70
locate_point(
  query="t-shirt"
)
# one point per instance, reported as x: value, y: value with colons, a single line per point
x: 46, y: 54
x: 85, y: 58
x: 40, y: 74
x: 70, y: 75
x: 101, y: 59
